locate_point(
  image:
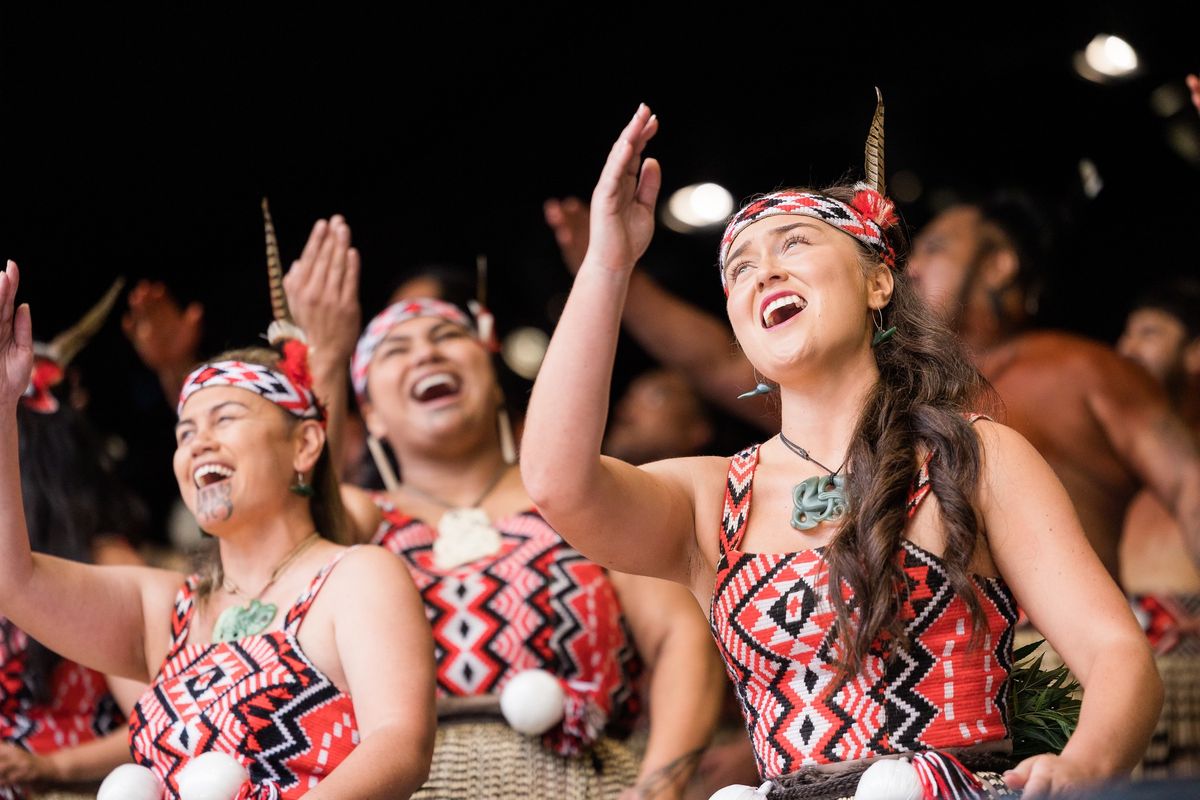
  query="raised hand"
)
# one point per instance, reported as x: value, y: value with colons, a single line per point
x: 165, y: 335
x: 622, y: 213
x: 16, y: 338
x: 568, y: 219
x: 322, y: 291
x: 1193, y: 84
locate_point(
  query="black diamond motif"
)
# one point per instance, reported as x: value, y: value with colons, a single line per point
x: 806, y: 730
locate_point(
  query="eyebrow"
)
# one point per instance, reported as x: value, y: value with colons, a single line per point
x: 402, y: 338
x: 214, y: 409
x: 775, y: 233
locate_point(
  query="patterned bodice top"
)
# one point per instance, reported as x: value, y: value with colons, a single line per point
x: 537, y: 603
x: 79, y: 707
x: 259, y: 699
x: 774, y: 625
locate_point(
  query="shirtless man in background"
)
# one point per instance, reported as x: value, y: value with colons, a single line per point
x: 1162, y: 333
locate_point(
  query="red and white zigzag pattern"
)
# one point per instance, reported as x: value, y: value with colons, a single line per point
x: 774, y: 624
x: 258, y: 699
x: 537, y: 603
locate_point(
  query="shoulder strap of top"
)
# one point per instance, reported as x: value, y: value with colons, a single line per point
x: 920, y: 485
x: 181, y: 616
x: 739, y: 484
x: 295, y: 616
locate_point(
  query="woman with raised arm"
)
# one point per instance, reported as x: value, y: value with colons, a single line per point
x: 518, y: 615
x: 307, y: 662
x: 60, y: 725
x: 934, y: 523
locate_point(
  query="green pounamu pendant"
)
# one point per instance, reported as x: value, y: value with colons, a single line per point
x: 818, y: 499
x: 237, y: 622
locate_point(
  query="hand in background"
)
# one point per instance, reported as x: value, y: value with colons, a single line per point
x: 568, y: 218
x: 165, y: 335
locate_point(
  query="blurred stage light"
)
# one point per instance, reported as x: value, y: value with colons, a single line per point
x: 1106, y: 58
x: 905, y: 186
x: 696, y: 207
x: 1089, y: 177
x: 1169, y: 99
x: 523, y: 351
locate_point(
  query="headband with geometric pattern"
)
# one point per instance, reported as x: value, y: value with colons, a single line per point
x: 292, y: 393
x: 402, y: 311
x: 867, y: 217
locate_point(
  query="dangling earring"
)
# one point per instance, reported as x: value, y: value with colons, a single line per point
x: 508, y: 444
x: 761, y: 388
x: 300, y: 487
x: 881, y: 335
x: 390, y: 482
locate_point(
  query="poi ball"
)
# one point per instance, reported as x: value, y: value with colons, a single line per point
x: 212, y: 776
x: 740, y: 791
x: 130, y: 782
x: 889, y: 779
x: 532, y: 702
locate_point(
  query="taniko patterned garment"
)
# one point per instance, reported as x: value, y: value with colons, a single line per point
x: 258, y: 699
x: 774, y: 624
x: 537, y: 603
x: 79, y: 710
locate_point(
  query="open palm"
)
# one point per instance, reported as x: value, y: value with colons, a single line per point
x: 623, y: 200
x: 16, y: 338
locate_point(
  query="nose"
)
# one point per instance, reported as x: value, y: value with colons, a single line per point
x: 201, y: 442
x: 425, y: 351
x: 770, y: 271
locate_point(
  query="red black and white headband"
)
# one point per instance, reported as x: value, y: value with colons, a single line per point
x: 395, y: 314
x: 289, y: 386
x: 867, y: 217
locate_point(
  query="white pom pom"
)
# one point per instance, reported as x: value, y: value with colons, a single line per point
x: 740, y: 791
x: 889, y: 779
x: 130, y: 782
x: 212, y: 776
x: 532, y: 702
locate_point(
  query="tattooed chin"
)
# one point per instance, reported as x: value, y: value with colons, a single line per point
x: 213, y: 503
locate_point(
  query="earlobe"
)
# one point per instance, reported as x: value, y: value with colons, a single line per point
x: 1191, y: 358
x: 1000, y: 269
x: 374, y: 425
x: 309, y: 446
x: 883, y: 283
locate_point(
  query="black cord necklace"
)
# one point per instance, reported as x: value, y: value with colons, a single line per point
x: 821, y: 498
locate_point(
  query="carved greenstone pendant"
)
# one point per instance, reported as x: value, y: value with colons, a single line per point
x: 238, y: 622
x: 821, y: 498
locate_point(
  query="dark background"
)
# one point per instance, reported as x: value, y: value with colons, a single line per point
x: 139, y: 143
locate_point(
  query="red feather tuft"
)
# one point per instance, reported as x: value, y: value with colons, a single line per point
x: 294, y: 363
x: 875, y: 207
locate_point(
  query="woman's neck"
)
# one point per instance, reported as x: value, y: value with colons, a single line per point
x: 822, y: 412
x: 251, y: 552
x: 457, y: 479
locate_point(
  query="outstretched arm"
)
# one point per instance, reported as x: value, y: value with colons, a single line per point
x: 1148, y: 436
x: 673, y: 331
x: 1039, y: 547
x: 623, y: 517
x: 96, y: 616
